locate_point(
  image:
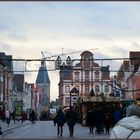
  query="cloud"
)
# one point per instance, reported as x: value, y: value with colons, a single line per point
x: 4, y: 27
x: 17, y: 36
x: 10, y: 29
x: 4, y: 47
x: 28, y: 28
x: 136, y: 45
x: 77, y: 20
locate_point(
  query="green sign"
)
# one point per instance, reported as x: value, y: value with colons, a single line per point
x: 18, y: 108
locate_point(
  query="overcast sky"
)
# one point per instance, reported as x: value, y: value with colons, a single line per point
x: 27, y: 28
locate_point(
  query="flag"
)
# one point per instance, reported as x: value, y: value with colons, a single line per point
x: 36, y: 100
x: 36, y: 88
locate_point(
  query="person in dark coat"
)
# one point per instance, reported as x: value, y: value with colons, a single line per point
x: 60, y: 120
x: 117, y: 115
x: 71, y: 120
x: 107, y: 122
x: 13, y: 116
x: 54, y: 120
x: 99, y: 120
x: 22, y: 116
x: 33, y: 116
x: 0, y: 131
x: 91, y: 120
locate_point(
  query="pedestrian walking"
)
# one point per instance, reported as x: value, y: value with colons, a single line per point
x: 3, y: 114
x: 91, y: 120
x: 33, y: 116
x: 129, y: 126
x: 99, y: 120
x: 23, y: 116
x: 107, y: 122
x: 13, y: 116
x: 60, y: 120
x: 0, y: 131
x: 7, y: 116
x: 54, y: 119
x: 0, y: 113
x: 71, y: 120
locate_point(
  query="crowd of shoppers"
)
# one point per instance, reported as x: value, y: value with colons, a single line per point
x: 98, y: 120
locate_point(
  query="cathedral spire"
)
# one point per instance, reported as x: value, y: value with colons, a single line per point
x: 43, y: 64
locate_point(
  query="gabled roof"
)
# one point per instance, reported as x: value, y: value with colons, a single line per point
x: 87, y: 55
x: 74, y: 90
x: 42, y: 76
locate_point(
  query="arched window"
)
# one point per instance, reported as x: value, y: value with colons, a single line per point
x: 97, y: 88
x: 67, y: 89
x: 106, y: 88
x: 97, y: 75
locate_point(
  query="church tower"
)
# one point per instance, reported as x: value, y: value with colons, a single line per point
x: 43, y: 88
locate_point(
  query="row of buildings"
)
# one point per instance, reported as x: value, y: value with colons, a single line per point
x: 128, y: 76
x: 88, y: 77
x: 78, y: 78
x: 16, y: 93
x: 13, y: 86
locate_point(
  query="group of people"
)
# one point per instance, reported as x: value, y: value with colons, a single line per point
x: 125, y: 127
x: 98, y: 119
x: 69, y: 117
